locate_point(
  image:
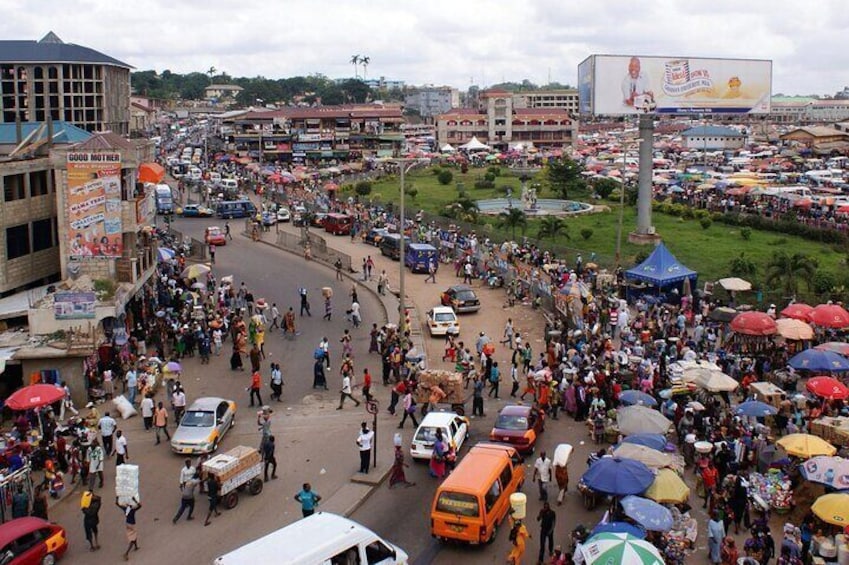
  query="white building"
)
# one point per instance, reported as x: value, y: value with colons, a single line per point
x: 713, y: 138
x: 430, y: 101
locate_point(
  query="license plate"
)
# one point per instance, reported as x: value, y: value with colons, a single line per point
x: 505, y: 439
x: 187, y: 450
x: 457, y: 528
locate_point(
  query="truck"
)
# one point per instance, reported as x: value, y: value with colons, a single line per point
x: 164, y: 199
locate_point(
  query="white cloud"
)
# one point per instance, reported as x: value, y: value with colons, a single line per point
x: 445, y: 41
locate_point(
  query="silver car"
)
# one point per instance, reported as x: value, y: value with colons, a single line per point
x: 203, y: 425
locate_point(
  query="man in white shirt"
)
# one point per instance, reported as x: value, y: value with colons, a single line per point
x: 324, y: 344
x: 635, y: 85
x: 107, y: 425
x: 147, y: 407
x: 542, y: 474
x: 187, y: 473
x: 121, y: 451
x: 364, y: 441
x: 178, y: 401
x: 108, y: 384
x: 346, y: 392
x: 355, y: 314
x: 275, y: 315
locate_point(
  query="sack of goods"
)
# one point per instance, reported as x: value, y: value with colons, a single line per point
x: 327, y: 292
x: 124, y: 408
x: 127, y: 483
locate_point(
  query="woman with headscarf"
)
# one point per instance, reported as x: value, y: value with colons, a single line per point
x: 519, y: 536
x: 437, y: 458
x: 398, y: 475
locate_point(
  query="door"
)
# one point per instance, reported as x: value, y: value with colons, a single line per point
x: 222, y: 417
x: 462, y: 431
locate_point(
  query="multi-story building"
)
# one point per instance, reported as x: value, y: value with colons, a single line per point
x: 318, y: 133
x: 500, y: 124
x: 564, y: 99
x: 806, y: 111
x: 431, y: 101
x: 52, y: 80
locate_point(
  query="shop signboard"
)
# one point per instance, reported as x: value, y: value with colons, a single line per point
x: 93, y: 204
x: 73, y: 305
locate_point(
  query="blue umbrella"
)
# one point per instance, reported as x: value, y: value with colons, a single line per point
x: 619, y: 528
x: 648, y: 513
x: 165, y: 254
x: 630, y: 397
x: 817, y: 360
x: 755, y: 409
x: 611, y: 475
x: 655, y: 441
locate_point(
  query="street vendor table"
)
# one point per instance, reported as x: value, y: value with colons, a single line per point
x: 767, y: 392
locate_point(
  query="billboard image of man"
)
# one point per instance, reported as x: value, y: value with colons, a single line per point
x: 636, y: 90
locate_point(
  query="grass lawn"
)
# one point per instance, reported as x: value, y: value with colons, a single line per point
x: 706, y: 251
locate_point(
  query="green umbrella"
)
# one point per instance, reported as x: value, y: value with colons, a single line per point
x: 619, y: 548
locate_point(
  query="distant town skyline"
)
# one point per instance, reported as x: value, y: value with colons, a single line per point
x: 446, y: 43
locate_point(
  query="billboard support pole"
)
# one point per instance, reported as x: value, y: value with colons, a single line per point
x: 644, y: 195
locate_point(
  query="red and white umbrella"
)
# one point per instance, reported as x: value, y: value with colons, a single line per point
x: 797, y: 311
x: 34, y: 396
x: 830, y: 316
x: 753, y: 323
x: 827, y: 387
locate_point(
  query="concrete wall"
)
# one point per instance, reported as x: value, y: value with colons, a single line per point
x: 70, y: 370
x: 42, y: 321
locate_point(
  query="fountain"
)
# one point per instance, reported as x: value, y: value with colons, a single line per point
x: 532, y: 205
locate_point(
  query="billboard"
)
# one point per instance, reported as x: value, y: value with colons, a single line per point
x: 74, y: 305
x: 94, y: 204
x: 625, y: 84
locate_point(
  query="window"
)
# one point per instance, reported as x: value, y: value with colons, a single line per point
x: 17, y: 241
x: 506, y: 475
x: 492, y: 495
x: 14, y: 188
x: 42, y: 234
x: 458, y: 503
x: 378, y: 552
x: 39, y: 183
x: 350, y: 556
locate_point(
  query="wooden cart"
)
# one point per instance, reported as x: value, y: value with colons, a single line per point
x: 236, y: 470
x: 451, y: 384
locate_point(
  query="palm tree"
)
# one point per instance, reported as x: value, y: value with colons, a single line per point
x: 552, y: 227
x: 211, y: 72
x: 513, y: 218
x: 466, y: 209
x: 784, y: 270
x: 364, y: 61
x: 354, y: 61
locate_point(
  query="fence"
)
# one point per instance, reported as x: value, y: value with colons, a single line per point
x: 197, y: 248
x: 319, y: 250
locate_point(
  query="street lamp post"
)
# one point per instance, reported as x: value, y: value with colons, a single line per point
x: 405, y: 164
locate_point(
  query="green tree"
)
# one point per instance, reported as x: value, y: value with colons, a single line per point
x: 784, y: 271
x: 363, y: 188
x: 564, y: 175
x: 604, y: 187
x: 552, y: 227
x: 743, y: 267
x: 445, y: 177
x: 513, y: 218
x: 586, y: 233
x: 464, y: 209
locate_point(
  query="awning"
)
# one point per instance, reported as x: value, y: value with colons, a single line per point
x: 151, y: 172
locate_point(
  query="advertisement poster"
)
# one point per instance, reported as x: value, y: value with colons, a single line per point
x: 623, y: 84
x: 94, y: 205
x: 73, y: 305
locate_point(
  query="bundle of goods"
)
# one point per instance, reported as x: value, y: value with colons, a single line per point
x: 450, y: 382
x: 327, y: 292
x: 677, y: 548
x: 226, y: 465
x: 127, y: 483
x: 832, y: 429
x: 774, y: 489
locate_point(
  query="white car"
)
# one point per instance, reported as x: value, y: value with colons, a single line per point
x: 441, y: 320
x: 283, y: 215
x: 455, y: 430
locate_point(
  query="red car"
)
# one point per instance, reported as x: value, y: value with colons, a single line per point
x: 519, y: 426
x: 215, y: 236
x: 31, y: 541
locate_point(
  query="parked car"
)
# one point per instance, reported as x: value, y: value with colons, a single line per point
x: 283, y: 215
x: 317, y: 219
x: 269, y: 218
x: 519, y: 426
x: 197, y: 211
x: 441, y: 320
x: 31, y: 541
x: 374, y: 236
x: 203, y: 425
x: 455, y: 430
x: 214, y: 236
x: 461, y: 298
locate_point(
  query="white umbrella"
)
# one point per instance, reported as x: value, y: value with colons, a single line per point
x: 639, y: 419
x: 715, y: 381
x: 645, y: 455
x: 735, y: 284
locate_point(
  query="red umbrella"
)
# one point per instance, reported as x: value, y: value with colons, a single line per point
x: 753, y: 323
x: 827, y: 387
x: 151, y: 172
x: 797, y: 311
x: 838, y: 347
x: 830, y: 316
x: 34, y: 396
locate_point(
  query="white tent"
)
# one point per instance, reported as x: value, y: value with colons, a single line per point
x: 474, y: 145
x: 447, y: 148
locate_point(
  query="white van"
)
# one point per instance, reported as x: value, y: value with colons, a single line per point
x: 229, y: 184
x: 320, y: 539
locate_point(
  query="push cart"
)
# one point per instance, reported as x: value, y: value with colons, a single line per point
x: 451, y: 384
x: 236, y: 470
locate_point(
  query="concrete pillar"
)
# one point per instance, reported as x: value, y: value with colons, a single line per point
x: 644, y: 195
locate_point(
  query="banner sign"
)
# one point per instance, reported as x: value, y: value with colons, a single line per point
x: 94, y: 205
x: 73, y: 305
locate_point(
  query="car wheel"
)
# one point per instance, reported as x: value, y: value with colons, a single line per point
x: 48, y: 559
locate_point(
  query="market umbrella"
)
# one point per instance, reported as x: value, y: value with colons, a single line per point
x: 755, y: 409
x: 641, y: 420
x: 827, y: 387
x: 199, y: 286
x: 797, y: 311
x: 619, y: 548
x: 33, y: 396
x: 790, y: 328
x: 836, y: 346
x: 619, y: 528
x: 646, y: 455
x: 654, y: 441
x: 829, y: 316
x: 668, y: 488
x: 615, y: 476
x: 195, y: 271
x: 831, y: 471
x: 164, y: 254
x: 735, y: 284
x: 832, y: 508
x: 151, y: 172
x: 173, y: 367
x: 647, y: 513
x: 753, y: 323
x: 630, y: 397
x: 723, y: 314
x: 805, y: 445
x: 715, y: 381
x: 819, y: 360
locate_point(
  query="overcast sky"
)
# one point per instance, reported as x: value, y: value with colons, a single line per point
x: 446, y: 41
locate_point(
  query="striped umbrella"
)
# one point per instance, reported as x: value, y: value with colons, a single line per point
x: 619, y: 548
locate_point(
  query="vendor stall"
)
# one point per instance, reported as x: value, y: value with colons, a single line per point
x: 767, y: 392
x: 773, y: 488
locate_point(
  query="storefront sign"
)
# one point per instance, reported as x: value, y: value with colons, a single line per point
x: 93, y: 204
x: 73, y: 305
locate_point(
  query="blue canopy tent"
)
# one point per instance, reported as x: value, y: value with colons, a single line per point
x: 662, y: 271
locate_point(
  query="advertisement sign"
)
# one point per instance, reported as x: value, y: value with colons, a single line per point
x: 94, y: 205
x: 622, y: 84
x: 73, y: 305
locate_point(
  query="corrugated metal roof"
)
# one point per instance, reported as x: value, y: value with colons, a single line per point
x: 711, y: 131
x: 51, y: 49
x: 105, y: 140
x: 63, y: 132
